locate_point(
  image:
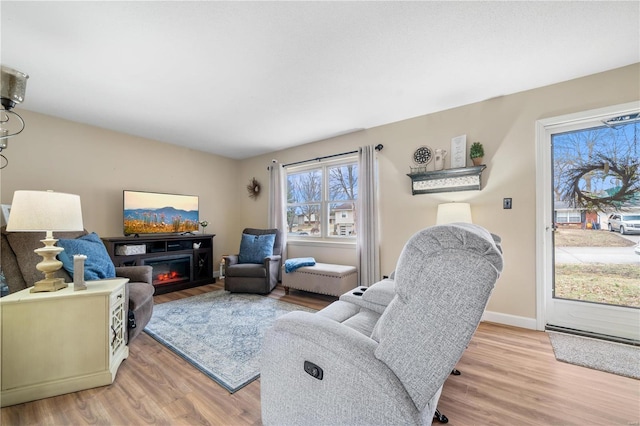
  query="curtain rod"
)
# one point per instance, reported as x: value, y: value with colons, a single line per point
x: 378, y: 148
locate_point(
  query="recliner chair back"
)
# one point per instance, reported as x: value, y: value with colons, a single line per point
x: 443, y: 281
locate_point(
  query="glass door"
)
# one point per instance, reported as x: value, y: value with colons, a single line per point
x: 591, y: 273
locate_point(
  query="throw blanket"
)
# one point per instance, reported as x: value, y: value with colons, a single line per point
x: 291, y: 265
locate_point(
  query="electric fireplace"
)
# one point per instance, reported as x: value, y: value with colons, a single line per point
x: 170, y: 269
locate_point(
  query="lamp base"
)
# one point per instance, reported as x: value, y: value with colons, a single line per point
x: 49, y: 284
x: 49, y: 265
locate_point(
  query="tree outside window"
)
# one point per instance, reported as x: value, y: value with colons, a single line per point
x: 321, y: 201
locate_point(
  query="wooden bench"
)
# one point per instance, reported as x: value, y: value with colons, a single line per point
x: 322, y: 278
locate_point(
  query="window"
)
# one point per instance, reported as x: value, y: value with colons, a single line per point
x: 568, y: 216
x: 321, y: 200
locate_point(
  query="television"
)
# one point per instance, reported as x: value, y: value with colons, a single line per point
x: 158, y: 213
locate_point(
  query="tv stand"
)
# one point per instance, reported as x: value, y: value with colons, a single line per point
x: 178, y: 261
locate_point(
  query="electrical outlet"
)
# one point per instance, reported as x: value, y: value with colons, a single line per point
x: 506, y: 203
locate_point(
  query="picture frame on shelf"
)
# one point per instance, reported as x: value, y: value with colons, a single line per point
x: 458, y: 151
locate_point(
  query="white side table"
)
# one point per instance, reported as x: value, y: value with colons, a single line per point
x: 64, y: 341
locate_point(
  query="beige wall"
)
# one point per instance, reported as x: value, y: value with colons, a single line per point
x: 98, y: 164
x: 506, y: 127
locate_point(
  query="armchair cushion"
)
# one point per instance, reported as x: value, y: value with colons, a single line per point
x: 254, y: 248
x: 247, y: 270
x: 98, y: 265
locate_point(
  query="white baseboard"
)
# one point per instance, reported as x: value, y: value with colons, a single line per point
x: 513, y: 320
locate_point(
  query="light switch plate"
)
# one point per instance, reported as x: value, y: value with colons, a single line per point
x: 506, y: 203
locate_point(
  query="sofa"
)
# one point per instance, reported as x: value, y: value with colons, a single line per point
x: 19, y: 262
x: 380, y: 355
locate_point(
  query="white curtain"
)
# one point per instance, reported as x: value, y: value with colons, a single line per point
x: 368, y: 235
x: 278, y: 203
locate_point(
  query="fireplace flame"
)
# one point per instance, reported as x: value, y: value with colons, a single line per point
x: 167, y: 276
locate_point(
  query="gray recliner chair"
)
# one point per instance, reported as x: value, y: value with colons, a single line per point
x: 258, y: 278
x: 380, y: 355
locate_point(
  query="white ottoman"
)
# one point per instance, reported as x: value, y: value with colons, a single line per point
x: 322, y: 278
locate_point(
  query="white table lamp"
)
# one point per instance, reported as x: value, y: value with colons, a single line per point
x: 453, y: 212
x: 46, y: 211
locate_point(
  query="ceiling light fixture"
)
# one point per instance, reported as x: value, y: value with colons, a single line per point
x: 13, y: 84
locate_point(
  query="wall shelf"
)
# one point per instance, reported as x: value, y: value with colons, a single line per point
x: 451, y: 180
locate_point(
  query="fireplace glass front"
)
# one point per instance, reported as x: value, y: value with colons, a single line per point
x: 170, y: 270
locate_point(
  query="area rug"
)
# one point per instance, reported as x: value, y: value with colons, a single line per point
x: 612, y: 357
x: 220, y: 333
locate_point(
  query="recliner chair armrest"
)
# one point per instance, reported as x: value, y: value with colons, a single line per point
x: 272, y: 265
x: 231, y: 259
x: 272, y: 258
x: 351, y: 372
x: 142, y: 273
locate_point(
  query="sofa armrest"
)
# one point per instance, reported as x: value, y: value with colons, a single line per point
x: 381, y: 293
x: 376, y: 298
x: 141, y: 274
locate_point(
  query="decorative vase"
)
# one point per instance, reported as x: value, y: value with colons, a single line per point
x: 439, y: 159
x: 78, y: 272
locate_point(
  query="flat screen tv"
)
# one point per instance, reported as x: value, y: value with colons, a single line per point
x: 158, y: 213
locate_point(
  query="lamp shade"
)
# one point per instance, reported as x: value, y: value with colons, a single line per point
x: 453, y: 212
x: 33, y: 211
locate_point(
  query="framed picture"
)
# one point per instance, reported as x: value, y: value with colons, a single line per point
x: 6, y: 209
x: 459, y: 151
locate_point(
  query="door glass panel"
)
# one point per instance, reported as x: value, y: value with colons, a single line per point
x: 596, y: 203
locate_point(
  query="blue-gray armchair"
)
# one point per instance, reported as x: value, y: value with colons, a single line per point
x: 255, y: 274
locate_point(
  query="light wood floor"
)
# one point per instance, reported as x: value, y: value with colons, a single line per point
x: 509, y: 377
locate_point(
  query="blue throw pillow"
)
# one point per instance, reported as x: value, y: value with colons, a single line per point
x: 254, y: 248
x: 98, y: 265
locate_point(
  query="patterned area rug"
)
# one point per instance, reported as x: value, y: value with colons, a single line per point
x: 612, y: 357
x: 220, y: 333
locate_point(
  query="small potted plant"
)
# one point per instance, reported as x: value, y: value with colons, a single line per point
x: 476, y: 153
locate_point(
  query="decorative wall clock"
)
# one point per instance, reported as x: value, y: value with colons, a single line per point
x: 422, y: 155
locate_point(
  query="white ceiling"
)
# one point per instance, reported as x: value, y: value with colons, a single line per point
x: 241, y: 79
